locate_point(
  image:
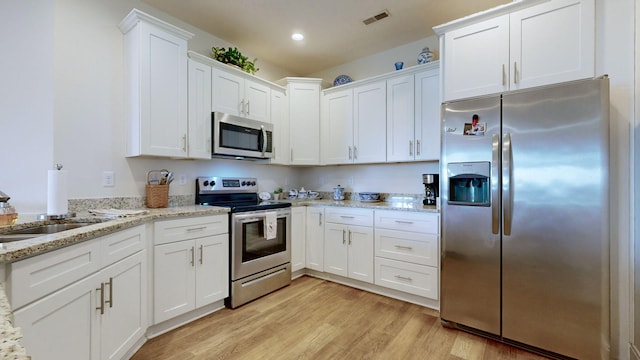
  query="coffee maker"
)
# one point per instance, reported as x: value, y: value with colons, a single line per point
x: 431, y: 188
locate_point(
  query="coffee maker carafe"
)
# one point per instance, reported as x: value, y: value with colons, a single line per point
x: 431, y: 188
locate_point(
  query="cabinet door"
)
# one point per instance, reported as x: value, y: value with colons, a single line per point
x: 315, y: 238
x: 257, y: 101
x: 199, y: 139
x: 360, y: 257
x: 163, y: 89
x: 298, y: 230
x: 280, y: 121
x: 63, y: 325
x: 337, y: 127
x: 227, y: 93
x: 212, y: 269
x: 304, y: 123
x: 124, y: 321
x: 476, y: 59
x: 400, y: 118
x: 552, y: 42
x: 369, y: 120
x: 427, y: 115
x: 174, y: 279
x: 335, y: 249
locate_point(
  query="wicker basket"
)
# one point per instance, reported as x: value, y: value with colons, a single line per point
x: 157, y: 196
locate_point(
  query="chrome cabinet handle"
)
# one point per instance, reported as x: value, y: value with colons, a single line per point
x: 200, y: 228
x: 507, y: 188
x: 319, y: 219
x: 291, y: 155
x: 515, y: 72
x: 346, y: 217
x: 350, y: 153
x: 242, y: 106
x: 344, y: 232
x: 248, y: 108
x: 504, y: 75
x: 184, y: 142
x: 495, y: 177
x: 349, y: 237
x: 355, y: 153
x: 110, y: 301
x: 410, y: 148
x: 101, y: 307
x: 201, y: 253
x: 403, y: 247
x: 406, y: 278
x: 418, y: 148
x: 193, y: 256
x: 404, y: 222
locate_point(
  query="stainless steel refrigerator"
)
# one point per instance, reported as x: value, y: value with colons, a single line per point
x: 525, y: 217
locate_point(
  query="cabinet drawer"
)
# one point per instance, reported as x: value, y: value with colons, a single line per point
x: 118, y: 246
x: 411, y: 278
x: 168, y: 231
x: 35, y: 277
x: 361, y: 217
x: 421, y: 249
x: 407, y: 221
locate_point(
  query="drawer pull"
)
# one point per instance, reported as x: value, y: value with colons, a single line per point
x: 404, y: 222
x: 403, y: 247
x: 347, y: 217
x: 405, y: 278
x: 197, y: 228
x: 110, y: 301
x: 193, y: 256
x: 101, y: 307
x: 201, y: 253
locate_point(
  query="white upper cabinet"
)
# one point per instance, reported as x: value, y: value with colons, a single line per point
x: 304, y: 120
x: 427, y: 115
x: 337, y: 127
x: 400, y: 118
x: 236, y: 94
x: 526, y: 46
x: 199, y: 138
x: 552, y: 42
x: 369, y: 120
x: 280, y: 121
x: 156, y: 86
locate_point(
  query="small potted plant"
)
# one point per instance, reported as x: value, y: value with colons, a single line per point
x: 234, y: 57
x: 277, y: 193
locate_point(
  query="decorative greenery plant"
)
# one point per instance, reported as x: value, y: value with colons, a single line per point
x: 234, y: 56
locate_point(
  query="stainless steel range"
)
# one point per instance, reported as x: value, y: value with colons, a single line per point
x: 260, y: 243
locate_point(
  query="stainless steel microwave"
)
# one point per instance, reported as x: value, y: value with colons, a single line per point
x: 240, y: 138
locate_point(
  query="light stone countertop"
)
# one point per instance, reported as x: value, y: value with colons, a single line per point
x: 399, y: 205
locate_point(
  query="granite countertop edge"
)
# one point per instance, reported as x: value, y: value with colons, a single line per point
x: 381, y: 205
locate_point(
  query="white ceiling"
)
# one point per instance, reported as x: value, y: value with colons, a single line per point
x: 333, y: 29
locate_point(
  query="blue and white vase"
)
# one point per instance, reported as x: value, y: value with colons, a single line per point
x: 425, y: 56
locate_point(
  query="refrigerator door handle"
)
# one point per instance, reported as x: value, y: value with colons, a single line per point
x: 507, y: 186
x: 495, y: 189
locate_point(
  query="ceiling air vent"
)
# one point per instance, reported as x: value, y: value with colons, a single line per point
x: 377, y: 17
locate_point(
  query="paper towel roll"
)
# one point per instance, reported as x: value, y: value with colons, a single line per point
x: 57, y: 202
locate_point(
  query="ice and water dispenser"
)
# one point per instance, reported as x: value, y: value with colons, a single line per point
x: 469, y: 183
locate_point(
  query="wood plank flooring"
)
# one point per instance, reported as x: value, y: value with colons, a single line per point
x: 318, y: 319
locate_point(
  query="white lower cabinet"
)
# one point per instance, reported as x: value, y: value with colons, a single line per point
x: 348, y: 243
x: 315, y: 238
x: 100, y: 316
x: 191, y: 264
x: 406, y: 252
x: 298, y: 248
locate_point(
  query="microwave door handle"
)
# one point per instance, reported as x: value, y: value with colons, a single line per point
x: 264, y: 139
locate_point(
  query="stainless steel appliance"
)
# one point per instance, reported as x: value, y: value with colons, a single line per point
x: 525, y: 218
x: 240, y: 138
x: 260, y: 243
x: 431, y: 185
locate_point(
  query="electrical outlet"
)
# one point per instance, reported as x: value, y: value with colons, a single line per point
x: 108, y: 179
x: 183, y: 179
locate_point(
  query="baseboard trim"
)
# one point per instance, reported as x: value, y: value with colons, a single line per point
x: 176, y: 322
x: 376, y: 289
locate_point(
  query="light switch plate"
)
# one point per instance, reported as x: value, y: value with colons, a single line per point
x: 108, y: 179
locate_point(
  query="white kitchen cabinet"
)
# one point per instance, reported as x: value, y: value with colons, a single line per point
x: 315, y: 238
x: 520, y: 49
x: 337, y: 127
x: 280, y: 121
x: 298, y: 243
x: 406, y: 252
x: 303, y: 95
x: 103, y: 315
x: 238, y: 94
x: 190, y: 264
x: 156, y: 86
x: 199, y: 91
x: 427, y: 115
x: 348, y: 243
x: 400, y: 118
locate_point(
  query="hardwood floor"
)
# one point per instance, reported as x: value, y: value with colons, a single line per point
x: 317, y: 319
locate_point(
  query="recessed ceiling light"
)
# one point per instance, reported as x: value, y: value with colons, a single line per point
x: 297, y: 36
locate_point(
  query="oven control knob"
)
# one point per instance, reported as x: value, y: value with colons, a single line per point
x: 212, y: 183
x: 244, y: 183
x: 206, y: 183
x: 253, y: 183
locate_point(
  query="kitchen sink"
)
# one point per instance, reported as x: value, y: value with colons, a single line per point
x: 15, y: 237
x: 48, y: 228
